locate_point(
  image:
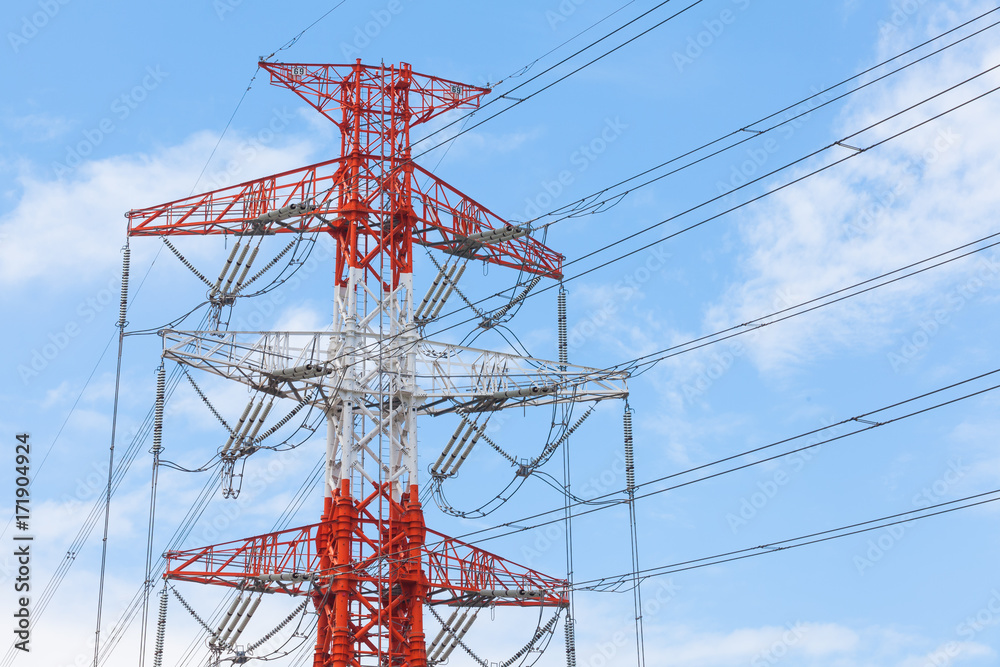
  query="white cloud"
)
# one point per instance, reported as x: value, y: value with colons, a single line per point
x: 949, y: 653
x: 764, y: 646
x: 928, y: 191
x: 38, y: 127
x: 69, y: 229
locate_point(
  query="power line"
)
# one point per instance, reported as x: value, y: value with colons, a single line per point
x: 764, y: 195
x: 752, y: 134
x: 616, y: 581
x: 546, y: 71
x: 862, y: 418
x: 745, y: 203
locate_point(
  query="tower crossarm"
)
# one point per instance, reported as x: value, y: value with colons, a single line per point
x: 328, y: 87
x: 306, y: 200
x: 458, y: 225
x: 459, y: 573
x: 449, y: 377
x: 294, y: 201
x: 282, y: 561
x: 289, y: 562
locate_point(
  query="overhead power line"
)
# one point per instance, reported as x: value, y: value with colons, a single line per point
x: 522, y: 524
x: 518, y: 101
x: 615, y: 582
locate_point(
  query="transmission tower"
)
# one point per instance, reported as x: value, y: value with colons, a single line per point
x: 370, y: 564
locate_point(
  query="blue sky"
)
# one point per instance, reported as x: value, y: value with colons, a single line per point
x: 121, y: 106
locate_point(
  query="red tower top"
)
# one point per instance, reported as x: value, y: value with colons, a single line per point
x: 373, y: 199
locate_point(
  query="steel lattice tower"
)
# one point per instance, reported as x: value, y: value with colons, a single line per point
x: 370, y: 564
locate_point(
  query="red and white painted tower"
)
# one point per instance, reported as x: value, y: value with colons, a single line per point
x: 370, y: 565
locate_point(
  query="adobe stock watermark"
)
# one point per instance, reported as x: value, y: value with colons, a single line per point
x: 910, y: 171
x: 34, y: 23
x: 902, y: 11
x: 562, y: 12
x: 780, y: 647
x: 581, y: 159
x: 224, y: 7
x: 752, y: 505
x: 249, y: 149
x: 256, y: 482
x: 757, y: 155
x: 624, y: 290
x: 545, y: 537
x: 915, y: 343
x: 121, y: 108
x: 622, y: 641
x: 267, y: 305
x: 720, y: 363
x: 712, y: 29
x: 369, y: 31
x: 888, y: 538
x: 92, y: 484
x: 985, y: 617
x: 47, y: 350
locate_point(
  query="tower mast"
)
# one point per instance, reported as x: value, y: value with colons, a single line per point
x: 368, y: 564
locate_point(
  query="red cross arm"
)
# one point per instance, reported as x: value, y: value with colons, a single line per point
x: 306, y: 199
x: 289, y: 562
x: 325, y: 87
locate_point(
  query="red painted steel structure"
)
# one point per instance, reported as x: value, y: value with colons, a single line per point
x: 367, y: 564
x: 369, y: 199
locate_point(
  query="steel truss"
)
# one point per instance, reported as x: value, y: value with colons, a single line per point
x: 368, y: 565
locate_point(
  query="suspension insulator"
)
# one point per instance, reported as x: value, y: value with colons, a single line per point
x: 246, y: 270
x: 225, y: 619
x: 268, y: 266
x: 432, y: 648
x: 124, y: 300
x: 246, y: 619
x: 288, y: 619
x: 277, y: 425
x: 236, y: 268
x: 570, y: 635
x: 563, y: 347
x: 457, y: 638
x: 436, y: 468
x: 225, y: 269
x: 629, y: 453
x: 184, y: 261
x: 427, y: 303
x: 251, y: 438
x: 161, y: 385
x: 235, y: 620
x: 235, y: 433
x: 161, y: 627
x: 516, y: 300
x: 452, y: 286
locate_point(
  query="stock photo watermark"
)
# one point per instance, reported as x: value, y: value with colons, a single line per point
x: 909, y: 171
x: 250, y: 148
x: 624, y: 290
x: 758, y: 155
x: 32, y: 24
x: 369, y: 31
x: 712, y: 30
x: 780, y: 647
x: 623, y: 640
x: 751, y: 505
x: 40, y: 357
x: 580, y: 159
x: 914, y: 344
x: 902, y: 11
x: 720, y: 363
x: 121, y: 108
x: 887, y: 539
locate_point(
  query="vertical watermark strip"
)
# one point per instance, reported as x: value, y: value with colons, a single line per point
x: 22, y: 542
